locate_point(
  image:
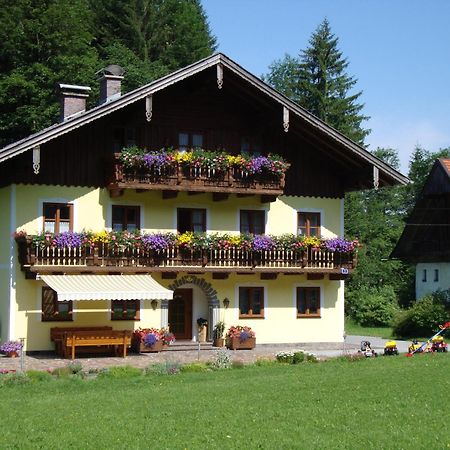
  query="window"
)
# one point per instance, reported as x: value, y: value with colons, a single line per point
x: 436, y: 275
x: 252, y: 221
x: 251, y: 302
x: 190, y: 140
x: 125, y: 218
x: 58, y: 217
x: 52, y: 309
x: 308, y: 224
x: 250, y: 146
x: 424, y: 276
x: 123, y: 137
x: 125, y: 309
x: 190, y: 219
x: 308, y: 302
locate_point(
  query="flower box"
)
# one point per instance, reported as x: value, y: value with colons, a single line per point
x: 140, y: 347
x: 236, y: 344
x: 218, y: 342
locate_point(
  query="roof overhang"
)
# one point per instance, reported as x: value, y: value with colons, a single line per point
x: 221, y: 61
x: 106, y: 287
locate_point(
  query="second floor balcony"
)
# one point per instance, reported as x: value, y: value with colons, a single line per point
x: 171, y: 253
x: 198, y: 171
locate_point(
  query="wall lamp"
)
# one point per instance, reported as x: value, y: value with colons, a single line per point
x: 226, y: 302
x: 154, y: 304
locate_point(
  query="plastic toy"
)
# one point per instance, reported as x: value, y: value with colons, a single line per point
x: 427, y: 346
x: 390, y: 348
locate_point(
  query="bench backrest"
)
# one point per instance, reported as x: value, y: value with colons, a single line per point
x: 58, y: 332
x: 97, y: 337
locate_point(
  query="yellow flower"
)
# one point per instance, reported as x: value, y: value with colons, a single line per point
x: 185, y: 238
x: 101, y: 237
x: 311, y: 241
x: 235, y: 240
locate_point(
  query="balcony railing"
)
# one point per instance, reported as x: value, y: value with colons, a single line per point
x: 233, y: 259
x: 196, y: 179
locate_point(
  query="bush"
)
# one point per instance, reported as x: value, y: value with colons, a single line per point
x: 62, y: 372
x: 222, y: 360
x: 195, y: 367
x: 38, y: 375
x: 13, y: 379
x: 285, y: 357
x: 424, y: 317
x: 372, y: 307
x: 298, y: 357
x: 120, y: 372
x: 168, y: 367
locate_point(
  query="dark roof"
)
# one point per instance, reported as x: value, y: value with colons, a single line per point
x: 354, y: 150
x: 426, y: 236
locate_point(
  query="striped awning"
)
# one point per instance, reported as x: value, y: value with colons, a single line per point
x: 107, y: 287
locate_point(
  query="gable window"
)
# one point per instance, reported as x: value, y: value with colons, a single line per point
x: 250, y: 146
x: 191, y: 219
x: 436, y: 275
x: 123, y: 137
x: 52, y: 309
x: 125, y: 309
x: 190, y: 140
x: 251, y: 302
x: 424, y: 276
x: 125, y: 218
x: 308, y: 302
x: 58, y: 217
x: 308, y: 224
x: 252, y: 221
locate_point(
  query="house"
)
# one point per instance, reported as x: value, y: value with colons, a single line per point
x: 68, y: 195
x: 425, y: 241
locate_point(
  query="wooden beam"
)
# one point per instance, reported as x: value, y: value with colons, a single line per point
x: 315, y: 276
x: 169, y: 194
x: 140, y: 191
x: 337, y: 276
x: 220, y: 275
x: 194, y: 192
x: 114, y: 193
x: 220, y: 196
x: 268, y: 198
x: 168, y: 275
x: 240, y: 195
x: 268, y: 276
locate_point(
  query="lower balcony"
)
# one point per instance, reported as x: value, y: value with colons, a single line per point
x: 106, y: 258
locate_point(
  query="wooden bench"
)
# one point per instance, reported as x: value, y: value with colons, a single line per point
x: 116, y: 338
x: 57, y: 335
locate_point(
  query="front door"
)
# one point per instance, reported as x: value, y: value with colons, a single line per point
x: 180, y: 314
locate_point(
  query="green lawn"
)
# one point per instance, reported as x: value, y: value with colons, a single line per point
x: 354, y: 328
x: 391, y: 402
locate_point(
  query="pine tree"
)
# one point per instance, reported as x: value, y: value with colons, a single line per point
x: 317, y: 80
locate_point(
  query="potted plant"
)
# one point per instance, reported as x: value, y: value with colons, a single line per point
x: 168, y: 338
x: 218, y: 331
x: 11, y: 348
x: 202, y: 329
x: 147, y: 340
x: 240, y: 338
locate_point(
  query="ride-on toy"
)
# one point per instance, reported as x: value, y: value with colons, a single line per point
x: 427, y: 346
x: 438, y: 344
x: 390, y: 348
x: 366, y: 349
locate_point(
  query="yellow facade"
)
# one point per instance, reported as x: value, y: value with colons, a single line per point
x: 92, y: 211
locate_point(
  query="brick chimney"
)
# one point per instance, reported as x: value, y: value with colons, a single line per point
x: 110, y: 83
x: 72, y: 100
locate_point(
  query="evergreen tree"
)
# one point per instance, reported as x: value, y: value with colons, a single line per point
x: 317, y: 80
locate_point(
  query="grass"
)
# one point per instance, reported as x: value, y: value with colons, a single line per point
x: 354, y: 328
x: 392, y: 402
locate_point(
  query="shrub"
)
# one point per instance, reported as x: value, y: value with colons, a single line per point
x: 62, y: 372
x: 13, y: 379
x: 372, y: 307
x: 423, y: 318
x: 222, y: 360
x: 120, y: 372
x: 38, y: 375
x: 285, y: 357
x: 168, y: 367
x: 195, y: 367
x: 298, y: 357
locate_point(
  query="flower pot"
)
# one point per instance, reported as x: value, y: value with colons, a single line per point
x: 237, y: 344
x: 12, y: 354
x: 218, y: 342
x: 139, y: 347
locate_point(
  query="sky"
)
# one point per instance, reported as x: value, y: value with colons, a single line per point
x: 398, y: 50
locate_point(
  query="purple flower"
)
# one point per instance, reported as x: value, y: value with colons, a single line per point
x: 244, y: 335
x: 10, y: 346
x: 339, y: 245
x: 156, y: 241
x: 263, y: 243
x: 150, y: 340
x: 68, y: 239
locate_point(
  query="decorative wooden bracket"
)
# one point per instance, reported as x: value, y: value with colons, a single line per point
x: 285, y: 119
x: 219, y: 76
x: 376, y: 177
x: 149, y: 107
x: 36, y: 159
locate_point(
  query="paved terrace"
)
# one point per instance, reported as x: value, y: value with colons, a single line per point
x: 45, y: 361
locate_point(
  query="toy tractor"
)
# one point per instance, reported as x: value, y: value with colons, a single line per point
x: 366, y: 349
x: 390, y: 348
x: 415, y: 347
x: 438, y: 344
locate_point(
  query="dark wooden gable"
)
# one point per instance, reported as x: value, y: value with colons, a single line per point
x: 83, y: 156
x: 426, y: 237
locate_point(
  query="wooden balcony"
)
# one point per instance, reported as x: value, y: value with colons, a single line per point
x: 116, y: 259
x: 194, y: 180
